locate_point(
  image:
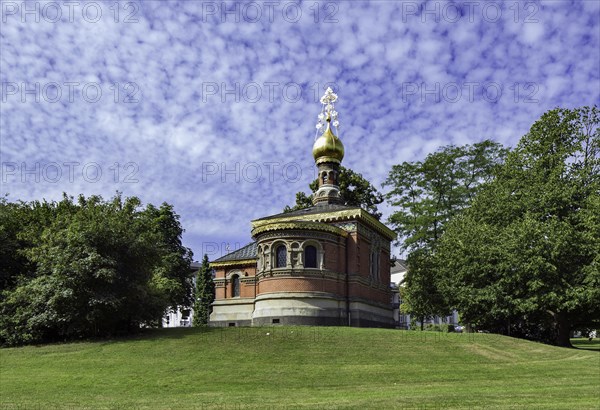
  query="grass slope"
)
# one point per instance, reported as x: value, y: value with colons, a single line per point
x: 584, y: 343
x: 300, y: 367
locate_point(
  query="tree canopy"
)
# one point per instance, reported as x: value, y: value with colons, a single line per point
x: 88, y: 268
x: 354, y: 189
x: 425, y: 196
x: 524, y: 259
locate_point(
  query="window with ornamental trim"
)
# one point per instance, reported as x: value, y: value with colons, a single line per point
x: 281, y: 257
x: 235, y: 286
x: 310, y: 257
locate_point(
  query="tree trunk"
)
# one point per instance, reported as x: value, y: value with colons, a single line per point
x: 563, y: 327
x: 422, y: 322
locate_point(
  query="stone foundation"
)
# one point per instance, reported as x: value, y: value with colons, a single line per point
x: 298, y: 308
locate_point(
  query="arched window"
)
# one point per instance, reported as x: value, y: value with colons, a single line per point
x: 310, y: 257
x: 235, y: 286
x: 281, y: 257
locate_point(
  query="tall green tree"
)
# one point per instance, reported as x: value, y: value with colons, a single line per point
x: 205, y: 294
x: 525, y: 257
x: 421, y: 297
x: 426, y: 195
x: 175, y: 259
x: 93, y: 268
x: 354, y: 189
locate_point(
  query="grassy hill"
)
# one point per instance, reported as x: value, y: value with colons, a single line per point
x: 300, y: 367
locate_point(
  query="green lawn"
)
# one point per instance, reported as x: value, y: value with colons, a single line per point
x: 585, y: 343
x: 300, y: 367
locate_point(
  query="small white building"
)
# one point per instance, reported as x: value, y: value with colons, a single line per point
x: 180, y: 318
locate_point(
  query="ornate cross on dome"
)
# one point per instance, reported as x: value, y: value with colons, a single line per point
x: 328, y: 112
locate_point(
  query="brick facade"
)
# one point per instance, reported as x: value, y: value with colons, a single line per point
x: 350, y: 283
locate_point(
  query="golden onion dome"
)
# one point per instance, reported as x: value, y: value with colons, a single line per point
x: 328, y: 146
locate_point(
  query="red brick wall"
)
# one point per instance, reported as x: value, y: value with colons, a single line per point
x: 352, y: 249
x: 351, y: 254
x: 369, y: 293
x: 246, y: 288
x: 364, y: 257
x: 290, y: 284
x: 331, y: 257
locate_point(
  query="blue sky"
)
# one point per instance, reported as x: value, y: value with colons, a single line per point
x: 212, y: 106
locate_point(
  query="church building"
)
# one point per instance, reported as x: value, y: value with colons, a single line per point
x: 324, y: 265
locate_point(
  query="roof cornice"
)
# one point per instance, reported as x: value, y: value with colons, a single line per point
x: 295, y: 224
x: 233, y: 263
x: 358, y: 214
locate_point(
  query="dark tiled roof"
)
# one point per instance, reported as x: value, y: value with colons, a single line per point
x: 246, y: 252
x: 399, y: 266
x: 312, y: 210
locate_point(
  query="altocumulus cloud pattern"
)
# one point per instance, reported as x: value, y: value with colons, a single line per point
x: 211, y: 105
